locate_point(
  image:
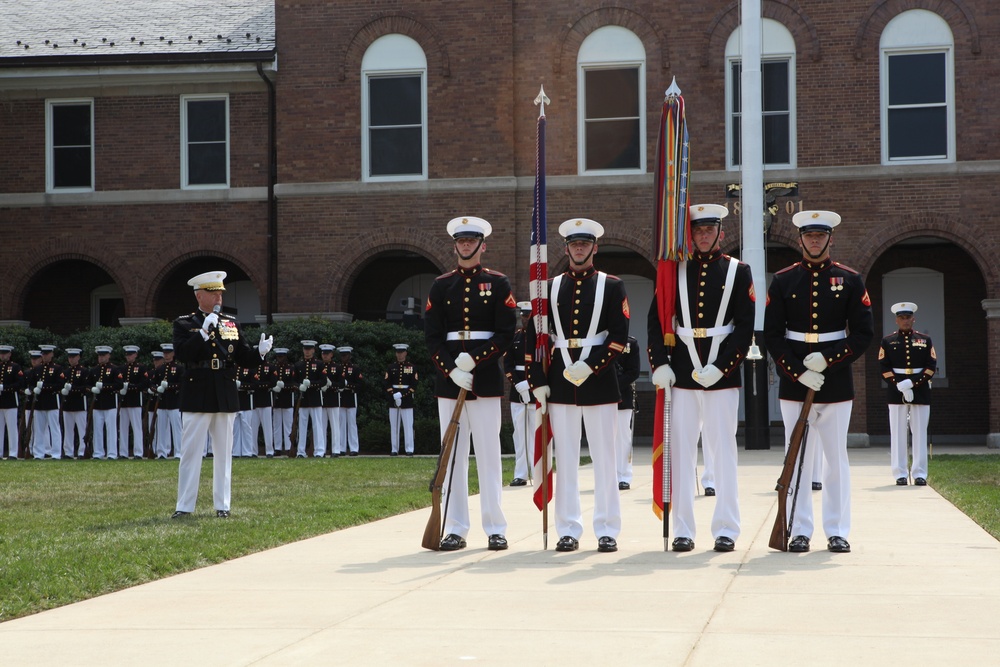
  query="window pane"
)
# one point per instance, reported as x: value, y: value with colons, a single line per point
x: 394, y: 100
x: 612, y: 93
x: 776, y: 148
x: 917, y: 79
x: 737, y: 71
x: 737, y: 139
x: 207, y: 164
x: 613, y: 144
x: 918, y: 132
x: 774, y: 80
x: 71, y: 125
x: 396, y: 151
x: 206, y: 120
x: 71, y: 167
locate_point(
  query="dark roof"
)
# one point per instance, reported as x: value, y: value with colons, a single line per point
x: 37, y: 32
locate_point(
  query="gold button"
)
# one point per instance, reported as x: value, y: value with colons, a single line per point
x: 576, y: 312
x: 576, y: 321
x: 815, y: 315
x: 701, y: 305
x: 815, y: 304
x: 815, y: 326
x: 701, y: 294
x: 468, y: 280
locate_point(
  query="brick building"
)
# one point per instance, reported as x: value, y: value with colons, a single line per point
x: 385, y: 119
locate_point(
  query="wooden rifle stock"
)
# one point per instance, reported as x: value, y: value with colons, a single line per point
x: 432, y: 532
x: 779, y: 532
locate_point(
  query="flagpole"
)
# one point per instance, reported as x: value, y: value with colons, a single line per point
x: 539, y: 302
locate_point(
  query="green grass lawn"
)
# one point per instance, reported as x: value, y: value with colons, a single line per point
x: 73, y: 530
x: 972, y: 483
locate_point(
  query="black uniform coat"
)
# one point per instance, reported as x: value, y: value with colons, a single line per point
x: 245, y: 374
x: 203, y: 388
x: 261, y: 381
x: 111, y: 380
x: 12, y: 379
x: 908, y: 350
x: 286, y: 373
x: 138, y: 381
x: 173, y: 373
x: 53, y: 380
x: 706, y: 281
x: 575, y: 302
x: 315, y: 371
x: 817, y: 297
x: 627, y: 370
x: 331, y: 397
x: 512, y: 359
x: 401, y: 377
x: 76, y: 376
x: 352, y: 377
x: 475, y: 299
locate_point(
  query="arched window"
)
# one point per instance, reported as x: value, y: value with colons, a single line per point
x: 611, y: 87
x: 918, y: 89
x: 394, y: 110
x: 777, y: 80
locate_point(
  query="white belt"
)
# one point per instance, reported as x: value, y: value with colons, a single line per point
x: 400, y: 386
x: 574, y: 343
x: 908, y: 371
x: 711, y: 332
x: 518, y: 368
x: 815, y: 337
x: 469, y: 335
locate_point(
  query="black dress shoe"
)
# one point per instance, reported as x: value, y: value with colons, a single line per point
x: 920, y: 481
x: 624, y: 486
x: 682, y: 544
x: 838, y: 545
x: 607, y: 545
x: 517, y: 481
x: 799, y: 544
x: 452, y: 542
x: 817, y: 486
x: 497, y: 543
x: 354, y: 453
x: 567, y: 543
x: 222, y: 514
x: 179, y: 514
x: 900, y: 481
x: 709, y: 491
x: 409, y: 453
x: 724, y: 544
x: 393, y: 453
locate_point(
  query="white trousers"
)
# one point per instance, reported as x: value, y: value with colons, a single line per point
x: 168, y: 433
x: 401, y: 417
x: 196, y: 427
x: 708, y: 469
x: 332, y: 421
x: 319, y: 439
x: 623, y: 445
x: 74, y: 431
x: 260, y: 420
x: 523, y: 418
x: 105, y: 434
x: 919, y: 416
x: 130, y: 418
x: 828, y: 424
x: 248, y: 435
x: 9, y: 417
x: 349, y: 429
x: 567, y: 422
x: 713, y: 416
x: 479, y: 421
x: 281, y: 428
x: 46, y: 434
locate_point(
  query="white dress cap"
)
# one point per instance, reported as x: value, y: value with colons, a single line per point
x: 469, y: 226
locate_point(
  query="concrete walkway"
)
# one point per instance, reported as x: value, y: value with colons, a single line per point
x: 922, y: 587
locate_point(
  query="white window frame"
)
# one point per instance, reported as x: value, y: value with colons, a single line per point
x: 609, y: 47
x: 917, y: 32
x: 50, y: 155
x: 392, y: 55
x: 777, y: 45
x: 185, y: 185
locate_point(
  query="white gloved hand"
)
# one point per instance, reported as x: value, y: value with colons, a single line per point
x: 903, y: 385
x: 707, y: 376
x: 303, y: 387
x: 578, y: 372
x: 462, y: 378
x: 306, y: 383
x: 163, y: 385
x: 161, y: 389
x: 238, y: 384
x: 150, y: 392
x: 542, y: 396
x: 211, y: 321
x: 95, y: 390
x: 663, y: 377
x: 98, y: 385
x: 465, y: 362
x: 815, y: 362
x: 265, y: 344
x: 524, y: 390
x: 39, y: 384
x: 124, y: 386
x: 908, y: 395
x: 329, y: 383
x: 65, y: 390
x: 279, y: 385
x: 397, y: 398
x: 1, y: 386
x: 37, y: 391
x: 123, y: 391
x: 812, y: 379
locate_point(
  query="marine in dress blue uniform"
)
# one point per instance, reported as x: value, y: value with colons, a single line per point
x: 469, y: 321
x: 349, y: 373
x: 74, y: 404
x: 330, y: 398
x: 212, y: 345
x: 907, y: 361
x: 135, y: 380
x: 522, y: 405
x: 105, y: 383
x: 400, y: 386
x: 284, y: 401
x: 45, y: 381
x: 627, y: 372
x: 167, y: 385
x: 588, y: 318
x: 817, y: 322
x: 311, y: 374
x: 11, y: 382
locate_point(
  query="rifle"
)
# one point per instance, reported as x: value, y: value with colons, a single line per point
x: 796, y: 446
x: 432, y: 532
x: 88, y: 436
x: 148, y: 450
x: 293, y: 436
x: 23, y: 448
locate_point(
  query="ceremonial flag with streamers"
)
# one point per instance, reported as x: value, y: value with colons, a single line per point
x: 539, y: 291
x: 672, y: 237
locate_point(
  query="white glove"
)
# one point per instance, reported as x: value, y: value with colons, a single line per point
x: 707, y: 376
x: 462, y: 378
x: 903, y: 385
x: 238, y: 384
x: 98, y: 385
x: 465, y: 362
x: 163, y: 385
x: 124, y: 386
x: 908, y: 395
x: 397, y: 398
x: 161, y: 389
x: 329, y: 383
x: 524, y: 390
x: 303, y: 386
x: 578, y: 372
x: 95, y: 390
x: 815, y: 362
x: 279, y: 385
x: 211, y: 321
x: 812, y: 379
x: 1, y: 386
x: 27, y: 392
x: 542, y: 396
x: 123, y: 391
x: 264, y: 346
x: 65, y: 390
x: 150, y: 392
x: 306, y: 383
x: 37, y: 390
x: 39, y: 384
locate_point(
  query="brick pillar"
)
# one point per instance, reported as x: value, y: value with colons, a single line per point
x: 992, y: 308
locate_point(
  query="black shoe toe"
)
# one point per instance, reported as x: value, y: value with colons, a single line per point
x: 624, y: 486
x: 517, y: 481
x: 920, y: 481
x: 567, y: 543
x: 607, y: 545
x: 222, y: 514
x: 497, y: 543
x: 452, y: 542
x: 799, y: 544
x: 900, y: 481
x: 682, y: 544
x: 838, y: 545
x: 179, y: 514
x: 817, y: 486
x: 724, y: 544
x: 709, y: 491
